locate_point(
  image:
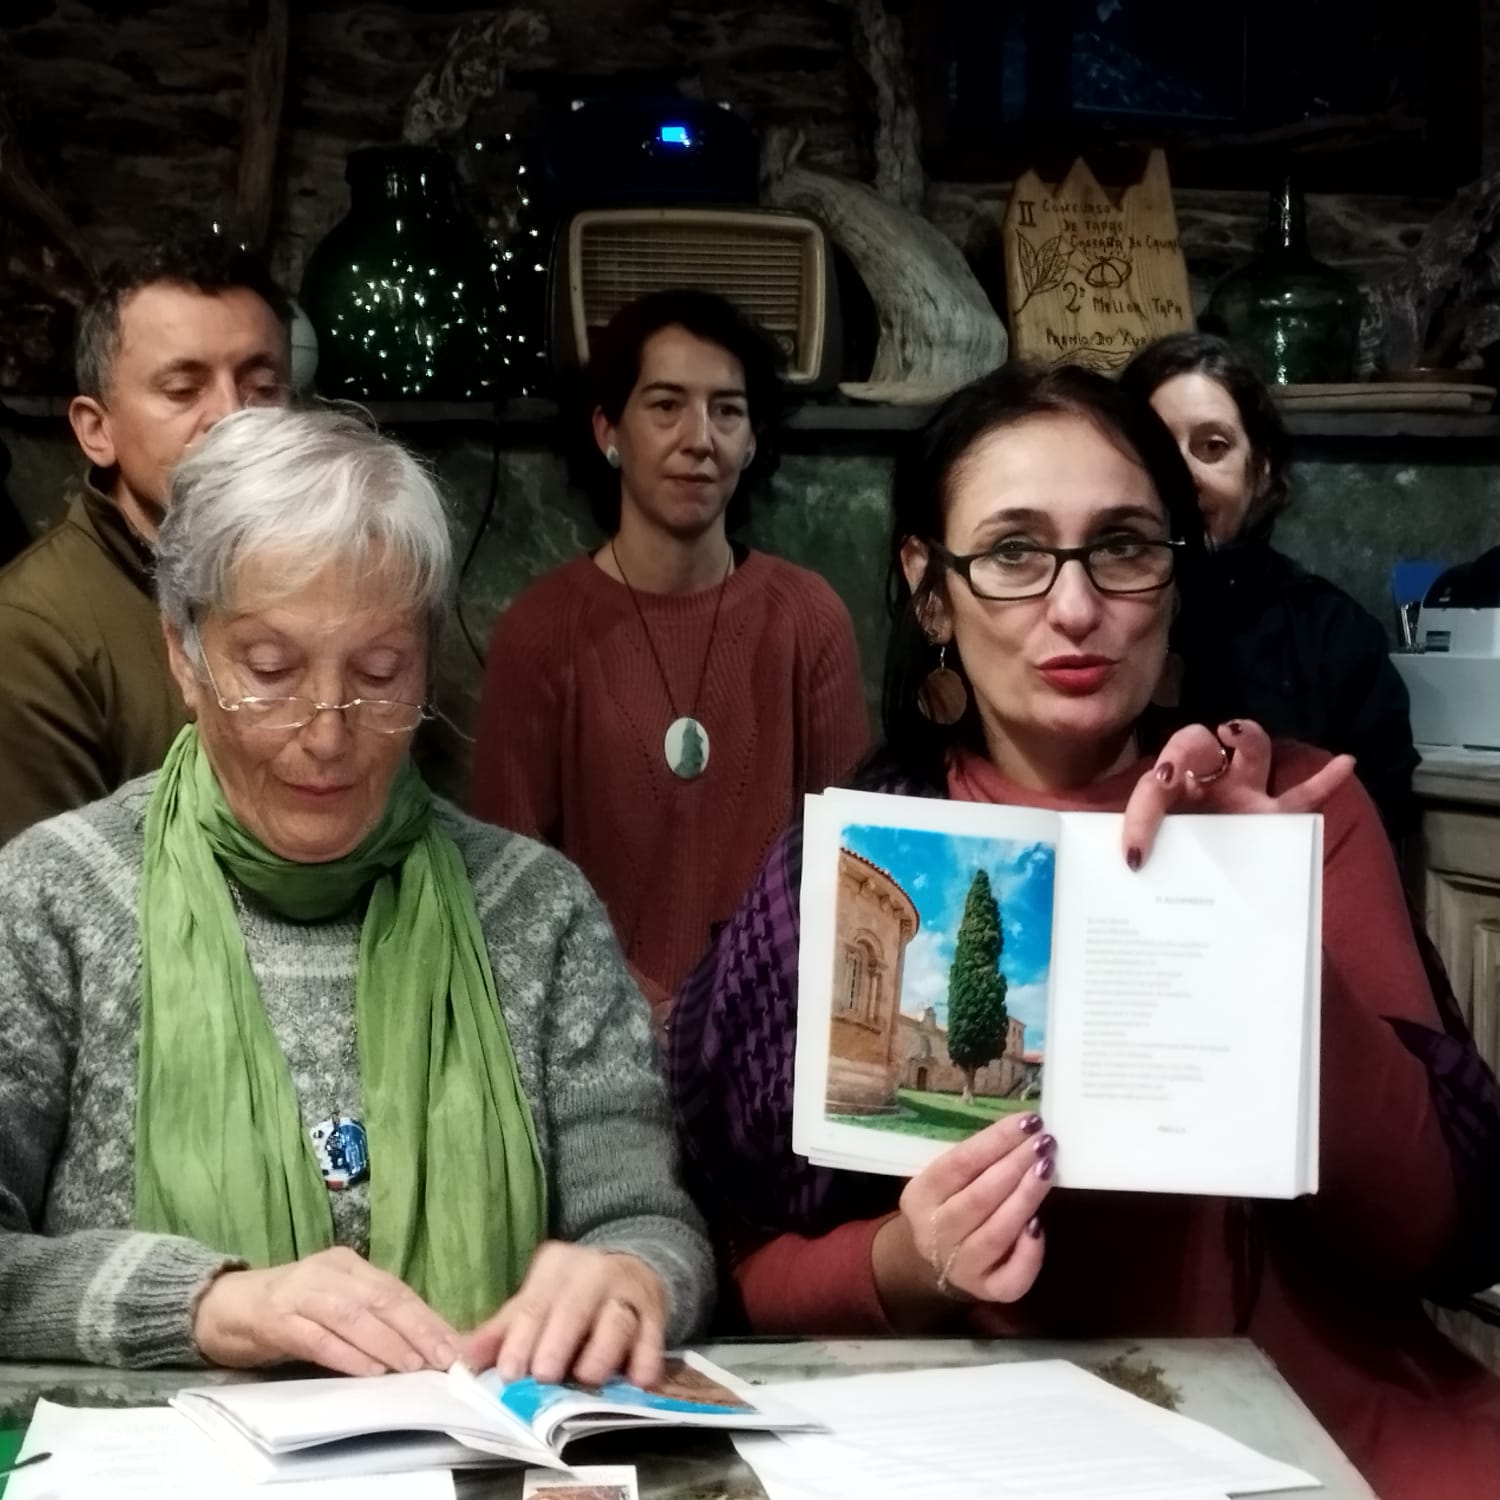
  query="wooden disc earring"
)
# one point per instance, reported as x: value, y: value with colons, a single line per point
x: 943, y: 696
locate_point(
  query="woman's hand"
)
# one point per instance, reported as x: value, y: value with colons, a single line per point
x: 1200, y: 771
x: 968, y: 1229
x: 588, y: 1313
x: 332, y: 1309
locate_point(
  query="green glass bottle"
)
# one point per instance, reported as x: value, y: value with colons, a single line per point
x: 1297, y: 318
x: 402, y: 291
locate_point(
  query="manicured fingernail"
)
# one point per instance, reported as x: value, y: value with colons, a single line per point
x: 447, y: 1354
x: 1235, y: 727
x: 1165, y: 772
x: 1031, y: 1124
x: 1044, y: 1168
x: 1043, y: 1144
x: 1034, y: 1228
x: 1133, y: 857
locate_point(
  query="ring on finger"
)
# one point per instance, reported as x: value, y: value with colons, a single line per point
x: 1214, y: 775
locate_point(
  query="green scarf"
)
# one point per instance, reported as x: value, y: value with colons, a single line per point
x: 457, y: 1193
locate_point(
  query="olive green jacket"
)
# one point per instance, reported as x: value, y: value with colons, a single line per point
x: 86, y: 701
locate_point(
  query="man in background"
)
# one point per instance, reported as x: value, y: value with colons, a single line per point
x: 167, y: 346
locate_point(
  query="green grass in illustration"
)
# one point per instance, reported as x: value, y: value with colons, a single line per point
x: 939, y: 1117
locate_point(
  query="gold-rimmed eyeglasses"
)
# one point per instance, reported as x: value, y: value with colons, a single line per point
x: 377, y: 715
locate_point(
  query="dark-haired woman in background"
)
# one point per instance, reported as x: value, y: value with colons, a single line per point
x: 656, y: 709
x: 1046, y: 548
x: 1295, y: 652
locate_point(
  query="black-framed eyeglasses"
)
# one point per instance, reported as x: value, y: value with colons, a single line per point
x: 1027, y: 570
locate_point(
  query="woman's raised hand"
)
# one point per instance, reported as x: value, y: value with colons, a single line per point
x: 1200, y: 770
x: 968, y: 1228
x: 332, y: 1309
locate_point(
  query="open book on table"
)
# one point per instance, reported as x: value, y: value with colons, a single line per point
x: 959, y: 961
x: 320, y: 1428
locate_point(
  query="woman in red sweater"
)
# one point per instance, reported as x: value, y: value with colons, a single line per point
x: 657, y: 708
x: 1047, y: 548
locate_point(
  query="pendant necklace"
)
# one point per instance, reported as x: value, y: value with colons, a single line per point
x: 685, y: 743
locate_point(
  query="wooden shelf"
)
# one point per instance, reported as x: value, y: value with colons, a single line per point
x: 848, y: 422
x: 1384, y: 425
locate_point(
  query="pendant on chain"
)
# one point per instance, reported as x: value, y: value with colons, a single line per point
x: 686, y: 747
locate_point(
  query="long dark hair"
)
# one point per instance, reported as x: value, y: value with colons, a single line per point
x: 615, y: 366
x: 1270, y: 448
x: 921, y: 489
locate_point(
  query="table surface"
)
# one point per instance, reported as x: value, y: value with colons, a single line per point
x: 1227, y: 1383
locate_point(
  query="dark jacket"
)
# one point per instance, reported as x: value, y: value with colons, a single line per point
x: 87, y: 701
x: 1295, y: 653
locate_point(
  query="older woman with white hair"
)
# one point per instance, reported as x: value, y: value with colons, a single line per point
x: 300, y: 1062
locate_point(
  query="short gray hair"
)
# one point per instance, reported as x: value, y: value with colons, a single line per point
x: 315, y: 486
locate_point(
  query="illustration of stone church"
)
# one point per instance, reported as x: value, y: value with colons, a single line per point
x: 875, y: 1049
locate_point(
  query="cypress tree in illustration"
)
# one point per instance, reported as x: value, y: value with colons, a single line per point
x: 976, y: 987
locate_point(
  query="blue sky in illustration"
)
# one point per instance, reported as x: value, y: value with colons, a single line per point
x: 935, y: 870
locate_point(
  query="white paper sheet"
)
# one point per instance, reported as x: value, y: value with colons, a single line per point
x: 1180, y: 1058
x: 1035, y: 1431
x: 155, y: 1453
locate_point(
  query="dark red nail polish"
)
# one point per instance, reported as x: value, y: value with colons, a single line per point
x: 1044, y: 1144
x: 1044, y: 1168
x: 1034, y: 1228
x: 1133, y: 857
x: 1031, y: 1124
x: 1165, y: 772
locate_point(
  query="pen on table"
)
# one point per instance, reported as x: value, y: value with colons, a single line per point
x: 24, y: 1463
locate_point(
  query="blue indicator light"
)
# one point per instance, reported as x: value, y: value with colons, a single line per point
x: 674, y: 135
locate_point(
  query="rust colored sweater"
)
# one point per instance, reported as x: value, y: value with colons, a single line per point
x: 571, y: 727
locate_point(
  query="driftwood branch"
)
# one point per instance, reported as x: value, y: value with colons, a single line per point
x: 880, y: 46
x: 473, y: 68
x: 1442, y: 306
x: 260, y: 127
x: 937, y: 327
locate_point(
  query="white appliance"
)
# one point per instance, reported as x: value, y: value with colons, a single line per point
x: 1453, y: 677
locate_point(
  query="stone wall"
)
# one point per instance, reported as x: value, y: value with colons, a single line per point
x: 923, y: 1061
x: 130, y: 114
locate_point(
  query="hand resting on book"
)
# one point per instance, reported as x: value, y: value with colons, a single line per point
x: 1200, y: 770
x: 332, y: 1308
x: 580, y: 1312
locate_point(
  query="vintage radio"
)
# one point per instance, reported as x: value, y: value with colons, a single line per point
x: 775, y: 267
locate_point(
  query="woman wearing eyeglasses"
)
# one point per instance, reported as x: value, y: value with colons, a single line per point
x: 300, y: 1063
x: 1045, y: 553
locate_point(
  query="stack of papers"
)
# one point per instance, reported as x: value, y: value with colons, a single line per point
x: 155, y: 1453
x: 1045, y: 1430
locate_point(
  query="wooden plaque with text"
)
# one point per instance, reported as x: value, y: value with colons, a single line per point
x: 1089, y: 279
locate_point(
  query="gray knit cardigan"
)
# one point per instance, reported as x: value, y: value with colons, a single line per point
x: 77, y: 1282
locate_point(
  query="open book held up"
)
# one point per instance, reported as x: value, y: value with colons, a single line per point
x: 960, y: 961
x: 323, y: 1428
